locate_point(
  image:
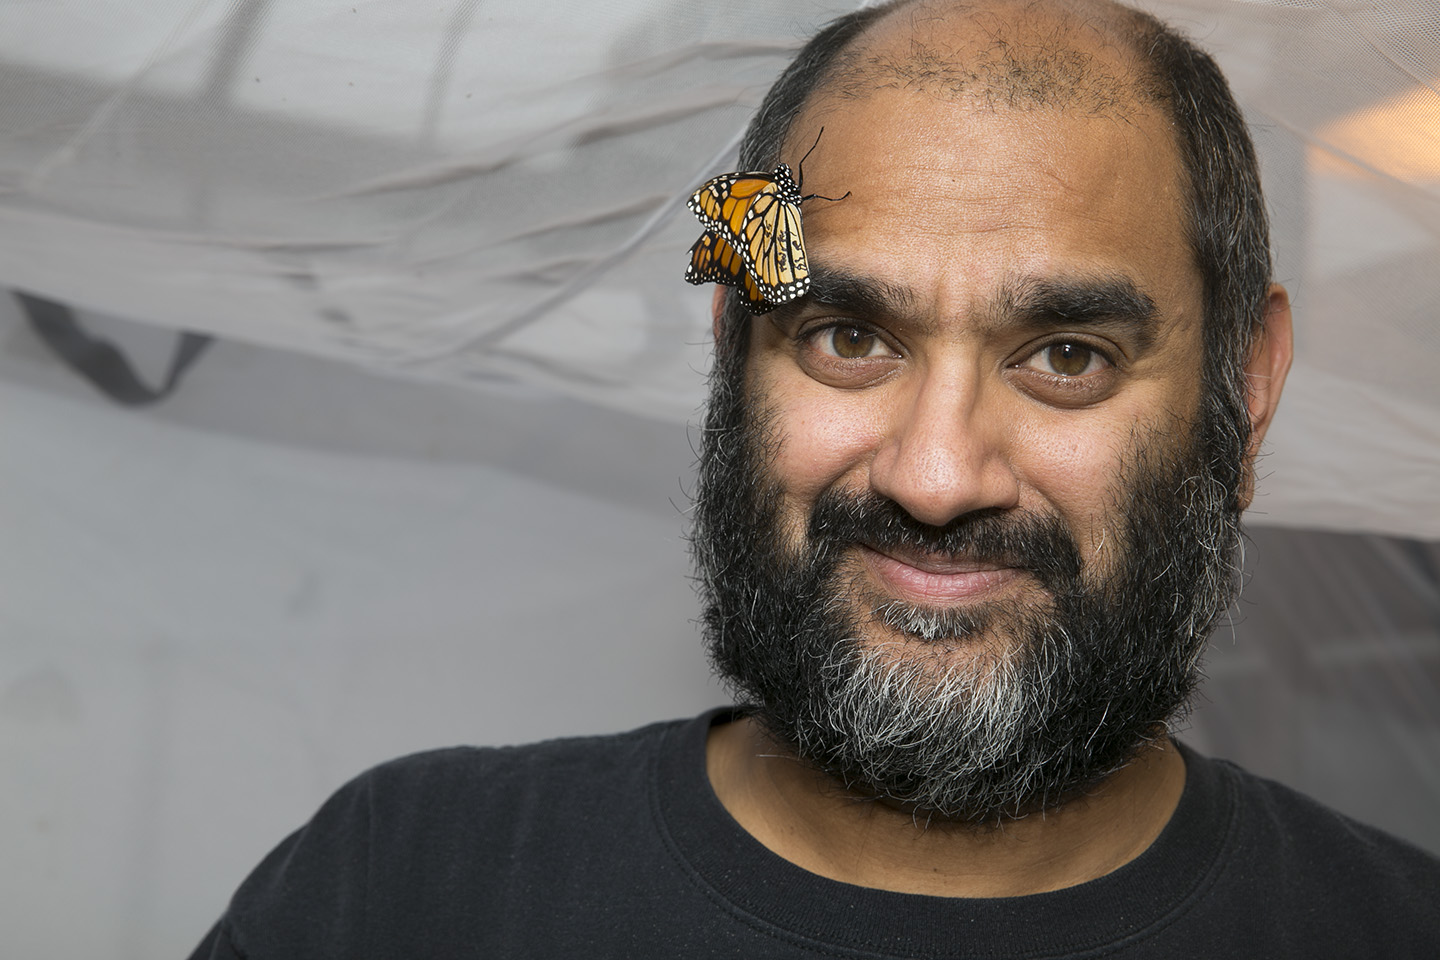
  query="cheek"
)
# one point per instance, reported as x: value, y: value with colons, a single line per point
x: 1072, y: 469
x: 823, y: 441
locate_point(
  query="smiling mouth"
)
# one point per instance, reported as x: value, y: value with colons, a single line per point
x: 936, y: 579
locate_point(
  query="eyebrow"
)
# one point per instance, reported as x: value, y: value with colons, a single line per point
x: 860, y: 296
x: 1033, y: 303
x: 1109, y: 300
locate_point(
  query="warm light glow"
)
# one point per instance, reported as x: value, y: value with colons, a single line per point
x: 1399, y: 136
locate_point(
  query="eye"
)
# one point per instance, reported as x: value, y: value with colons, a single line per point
x: 1068, y: 373
x: 1068, y: 359
x: 846, y: 354
x: 850, y: 343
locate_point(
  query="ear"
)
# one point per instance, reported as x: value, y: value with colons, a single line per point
x: 717, y: 311
x: 1265, y: 372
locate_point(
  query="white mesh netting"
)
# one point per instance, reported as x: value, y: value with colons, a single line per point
x: 493, y: 193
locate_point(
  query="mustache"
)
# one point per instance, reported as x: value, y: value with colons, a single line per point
x: 1039, y: 543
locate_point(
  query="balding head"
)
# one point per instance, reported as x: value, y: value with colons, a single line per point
x: 1090, y: 56
x: 1070, y: 56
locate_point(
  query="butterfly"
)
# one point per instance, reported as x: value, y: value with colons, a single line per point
x: 752, y: 239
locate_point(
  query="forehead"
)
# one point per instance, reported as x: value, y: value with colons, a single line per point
x: 991, y: 143
x: 954, y: 199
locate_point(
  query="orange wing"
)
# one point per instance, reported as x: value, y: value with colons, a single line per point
x: 712, y: 260
x: 724, y: 203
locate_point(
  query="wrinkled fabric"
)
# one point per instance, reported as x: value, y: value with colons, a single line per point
x: 493, y: 194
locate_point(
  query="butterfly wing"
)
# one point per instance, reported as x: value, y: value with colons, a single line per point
x: 723, y: 204
x: 774, y: 248
x: 713, y: 260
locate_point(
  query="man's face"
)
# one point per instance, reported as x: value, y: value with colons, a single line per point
x: 972, y: 392
x: 968, y: 503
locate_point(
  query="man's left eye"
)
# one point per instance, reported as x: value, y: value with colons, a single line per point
x: 851, y: 343
x: 1068, y: 360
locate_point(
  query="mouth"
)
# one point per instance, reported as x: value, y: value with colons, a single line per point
x: 923, y: 578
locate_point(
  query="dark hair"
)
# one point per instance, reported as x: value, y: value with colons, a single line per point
x: 1227, y: 228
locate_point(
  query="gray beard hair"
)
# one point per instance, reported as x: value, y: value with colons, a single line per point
x: 888, y: 703
x: 954, y: 721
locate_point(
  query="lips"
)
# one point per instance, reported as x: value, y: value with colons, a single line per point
x: 934, y: 579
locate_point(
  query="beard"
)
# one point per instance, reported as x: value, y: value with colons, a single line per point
x: 980, y: 713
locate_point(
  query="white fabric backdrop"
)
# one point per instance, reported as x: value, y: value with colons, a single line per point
x: 493, y: 193
x: 215, y: 611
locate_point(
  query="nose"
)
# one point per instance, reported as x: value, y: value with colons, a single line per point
x: 943, y: 456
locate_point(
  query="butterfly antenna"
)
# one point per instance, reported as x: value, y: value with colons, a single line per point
x: 801, y: 168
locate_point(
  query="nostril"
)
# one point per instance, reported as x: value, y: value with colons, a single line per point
x: 937, y: 482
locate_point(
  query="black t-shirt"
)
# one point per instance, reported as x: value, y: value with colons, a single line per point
x: 617, y: 847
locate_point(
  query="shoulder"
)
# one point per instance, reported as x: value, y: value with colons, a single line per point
x: 405, y: 837
x: 476, y: 797
x: 466, y: 773
x: 1304, y: 830
x: 1345, y: 880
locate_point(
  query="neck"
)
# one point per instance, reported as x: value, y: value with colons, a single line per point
x: 810, y: 820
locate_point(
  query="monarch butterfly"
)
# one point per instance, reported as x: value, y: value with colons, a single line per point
x: 753, y: 238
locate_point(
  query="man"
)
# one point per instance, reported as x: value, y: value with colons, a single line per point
x: 967, y: 512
